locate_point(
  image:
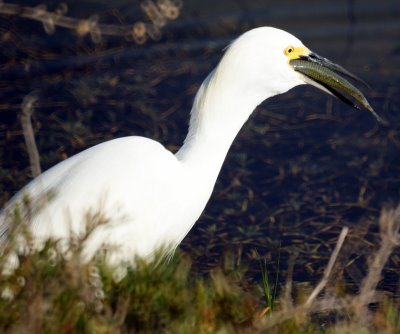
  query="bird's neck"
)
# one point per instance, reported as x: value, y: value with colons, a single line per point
x: 221, y: 107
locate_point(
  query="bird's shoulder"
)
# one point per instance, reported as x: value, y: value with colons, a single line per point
x: 135, y: 154
x: 120, y: 160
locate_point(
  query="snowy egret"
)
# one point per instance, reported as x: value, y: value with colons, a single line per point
x: 148, y: 197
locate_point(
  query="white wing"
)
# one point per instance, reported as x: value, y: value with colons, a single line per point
x: 131, y: 182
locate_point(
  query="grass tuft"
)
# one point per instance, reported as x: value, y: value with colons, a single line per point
x: 52, y: 293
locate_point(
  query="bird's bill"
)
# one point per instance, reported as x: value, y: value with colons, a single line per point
x: 331, y: 78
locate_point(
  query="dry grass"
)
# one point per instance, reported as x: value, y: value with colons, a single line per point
x: 49, y: 293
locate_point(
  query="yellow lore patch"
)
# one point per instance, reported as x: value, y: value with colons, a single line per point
x: 295, y: 52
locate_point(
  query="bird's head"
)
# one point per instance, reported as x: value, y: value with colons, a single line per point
x: 271, y: 61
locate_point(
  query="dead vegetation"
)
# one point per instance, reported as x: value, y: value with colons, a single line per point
x: 51, y: 293
x: 158, y: 14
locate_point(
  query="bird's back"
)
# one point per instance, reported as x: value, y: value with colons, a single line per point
x: 129, y: 186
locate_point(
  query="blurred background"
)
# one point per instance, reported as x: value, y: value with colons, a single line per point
x: 303, y: 166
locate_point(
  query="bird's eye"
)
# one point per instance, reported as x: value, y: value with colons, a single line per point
x: 289, y: 50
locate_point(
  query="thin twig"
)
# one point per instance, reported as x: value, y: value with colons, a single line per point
x: 159, y: 14
x: 27, y: 110
x: 328, y: 269
x: 287, y: 300
x: 390, y: 235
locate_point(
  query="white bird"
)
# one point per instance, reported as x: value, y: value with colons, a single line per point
x: 149, y: 197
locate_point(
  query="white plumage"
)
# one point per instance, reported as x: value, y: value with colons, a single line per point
x: 147, y: 196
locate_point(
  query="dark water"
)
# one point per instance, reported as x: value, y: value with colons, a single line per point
x: 304, y: 165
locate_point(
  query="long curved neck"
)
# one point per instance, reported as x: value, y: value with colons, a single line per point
x: 221, y: 107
